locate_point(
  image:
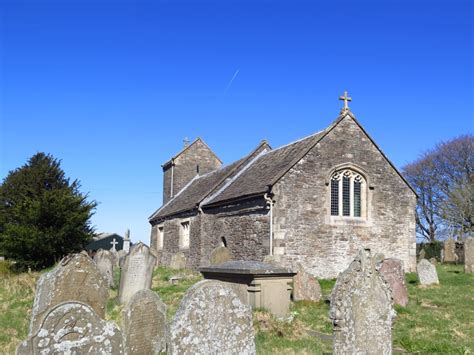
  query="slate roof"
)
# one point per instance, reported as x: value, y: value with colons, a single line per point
x: 251, y: 176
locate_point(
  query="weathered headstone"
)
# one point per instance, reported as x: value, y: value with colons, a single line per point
x: 211, y: 319
x: 73, y: 328
x: 361, y: 309
x: 449, y: 251
x: 144, y: 324
x: 427, y: 273
x: 75, y: 278
x: 393, y: 273
x: 105, y: 261
x: 120, y: 257
x: 469, y: 255
x: 219, y: 255
x: 434, y: 261
x: 305, y: 286
x: 137, y: 272
x: 178, y: 261
x: 422, y: 254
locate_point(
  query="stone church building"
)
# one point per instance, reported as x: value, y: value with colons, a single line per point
x: 315, y: 201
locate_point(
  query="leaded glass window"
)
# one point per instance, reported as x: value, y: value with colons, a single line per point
x: 334, y: 197
x: 347, y: 189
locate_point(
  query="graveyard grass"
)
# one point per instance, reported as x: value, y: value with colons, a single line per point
x: 437, y: 320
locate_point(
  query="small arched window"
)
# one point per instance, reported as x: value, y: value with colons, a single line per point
x: 347, y: 194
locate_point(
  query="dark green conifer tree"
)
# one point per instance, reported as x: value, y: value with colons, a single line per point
x: 43, y: 216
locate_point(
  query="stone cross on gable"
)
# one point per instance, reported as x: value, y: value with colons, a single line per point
x: 114, y: 243
x: 346, y: 100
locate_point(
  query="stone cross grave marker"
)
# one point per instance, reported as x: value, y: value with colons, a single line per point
x: 73, y: 328
x: 305, y: 286
x: 427, y: 273
x: 361, y: 309
x: 469, y: 255
x: 137, y: 272
x: 393, y: 273
x: 449, y: 251
x: 114, y: 243
x: 211, y: 319
x: 105, y: 261
x: 144, y: 324
x: 75, y: 278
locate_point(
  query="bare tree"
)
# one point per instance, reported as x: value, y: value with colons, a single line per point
x: 444, y: 181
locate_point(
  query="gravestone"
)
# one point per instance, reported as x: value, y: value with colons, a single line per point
x: 211, y: 319
x: 144, y: 324
x: 449, y: 251
x: 137, y: 272
x: 434, y: 261
x: 361, y: 309
x: 73, y: 328
x: 305, y: 286
x: 105, y: 261
x: 120, y: 257
x: 393, y: 273
x: 427, y: 273
x: 469, y: 255
x: 75, y: 278
x: 219, y: 255
x: 178, y: 261
x: 422, y: 254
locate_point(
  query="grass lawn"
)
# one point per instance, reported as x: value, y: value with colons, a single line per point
x: 437, y: 320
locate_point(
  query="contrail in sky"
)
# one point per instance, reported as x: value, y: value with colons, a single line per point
x: 231, y: 81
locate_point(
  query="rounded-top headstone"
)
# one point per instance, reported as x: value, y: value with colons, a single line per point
x: 427, y: 273
x: 73, y: 328
x: 75, y: 278
x: 211, y: 319
x: 449, y: 251
x: 144, y: 324
x: 392, y: 271
x: 219, y: 255
x: 105, y: 261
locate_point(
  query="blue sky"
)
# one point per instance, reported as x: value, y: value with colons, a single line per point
x: 113, y: 87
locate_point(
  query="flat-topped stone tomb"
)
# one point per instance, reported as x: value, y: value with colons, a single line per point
x: 257, y: 284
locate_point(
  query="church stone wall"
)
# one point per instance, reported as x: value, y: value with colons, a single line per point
x: 186, y: 167
x: 303, y: 229
x: 171, y: 238
x: 245, y: 227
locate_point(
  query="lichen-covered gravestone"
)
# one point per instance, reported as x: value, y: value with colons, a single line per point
x: 469, y: 255
x: 137, y: 272
x: 219, y: 255
x: 393, y: 273
x: 144, y: 324
x: 361, y: 309
x: 449, y: 251
x: 75, y: 278
x: 427, y: 273
x: 105, y: 260
x: 73, y: 328
x: 178, y: 261
x: 211, y: 319
x: 305, y: 286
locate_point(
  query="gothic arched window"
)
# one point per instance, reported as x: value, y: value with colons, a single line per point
x: 347, y: 193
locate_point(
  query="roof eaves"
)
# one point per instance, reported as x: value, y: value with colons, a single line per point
x: 235, y: 199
